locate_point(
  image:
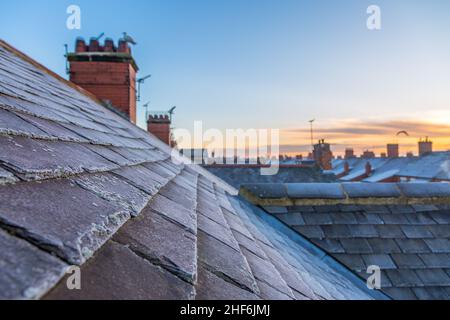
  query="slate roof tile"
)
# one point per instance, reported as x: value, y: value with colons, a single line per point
x: 225, y: 262
x: 363, y: 231
x: 310, y: 232
x: 292, y: 219
x: 353, y: 261
x: 73, y: 229
x: 408, y: 261
x: 383, y: 261
x: 404, y: 278
x: 162, y: 242
x: 390, y: 231
x: 118, y: 274
x: 336, y: 231
x: 413, y: 246
x: 49, y: 158
x: 27, y: 272
x: 438, y: 245
x: 416, y: 232
x: 436, y: 260
x: 357, y: 246
x: 379, y: 245
x: 316, y: 218
x: 435, y: 277
x: 212, y: 287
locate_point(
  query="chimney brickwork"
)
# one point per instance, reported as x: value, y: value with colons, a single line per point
x: 107, y: 71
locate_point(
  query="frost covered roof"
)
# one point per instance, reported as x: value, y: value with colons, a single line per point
x: 79, y: 185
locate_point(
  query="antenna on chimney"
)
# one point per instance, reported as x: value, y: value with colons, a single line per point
x: 145, y: 105
x: 312, y: 133
x: 66, y: 49
x: 141, y: 81
x: 171, y: 112
x: 100, y: 36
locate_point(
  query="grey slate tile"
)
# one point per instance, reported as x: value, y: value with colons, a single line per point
x: 212, y: 287
x: 25, y: 271
x: 112, y: 188
x: 225, y: 262
x: 60, y: 216
x: 442, y: 216
x: 250, y: 244
x: 9, y: 122
x: 400, y: 293
x: 270, y: 293
x: 117, y: 273
x: 416, y: 232
x: 142, y: 178
x: 291, y: 219
x: 413, y: 246
x: 336, y: 231
x: 264, y: 270
x: 110, y: 155
x: 436, y: 260
x: 420, y: 219
x: 317, y: 218
x: 383, y: 261
x: 390, y: 231
x: 440, y: 231
x: 371, y: 190
x: 394, y: 218
x: 363, y: 231
x: 438, y: 245
x: 175, y: 212
x: 357, y: 246
x: 352, y: 261
x: 314, y: 191
x: 6, y: 177
x: 162, y: 242
x: 408, y: 261
x: 431, y: 293
x: 405, y: 209
x: 310, y: 232
x: 404, y: 278
x: 275, y: 209
x: 434, y: 277
x: 217, y: 231
x: 368, y: 218
x: 236, y: 223
x: 343, y: 218
x: 49, y: 158
x: 379, y: 245
x: 329, y: 245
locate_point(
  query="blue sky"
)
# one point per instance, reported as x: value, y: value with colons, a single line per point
x: 264, y: 63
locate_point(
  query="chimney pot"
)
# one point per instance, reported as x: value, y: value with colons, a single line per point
x: 109, y: 45
x: 80, y: 45
x: 123, y: 47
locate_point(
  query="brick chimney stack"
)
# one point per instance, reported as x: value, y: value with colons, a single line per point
x: 425, y: 146
x: 349, y: 153
x: 107, y: 71
x: 159, y: 125
x: 322, y: 155
x: 368, y: 169
x: 393, y: 150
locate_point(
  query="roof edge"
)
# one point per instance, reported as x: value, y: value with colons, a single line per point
x: 320, y: 194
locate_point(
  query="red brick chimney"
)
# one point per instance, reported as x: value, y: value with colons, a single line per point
x: 159, y: 125
x: 368, y: 169
x: 107, y: 71
x: 346, y: 168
